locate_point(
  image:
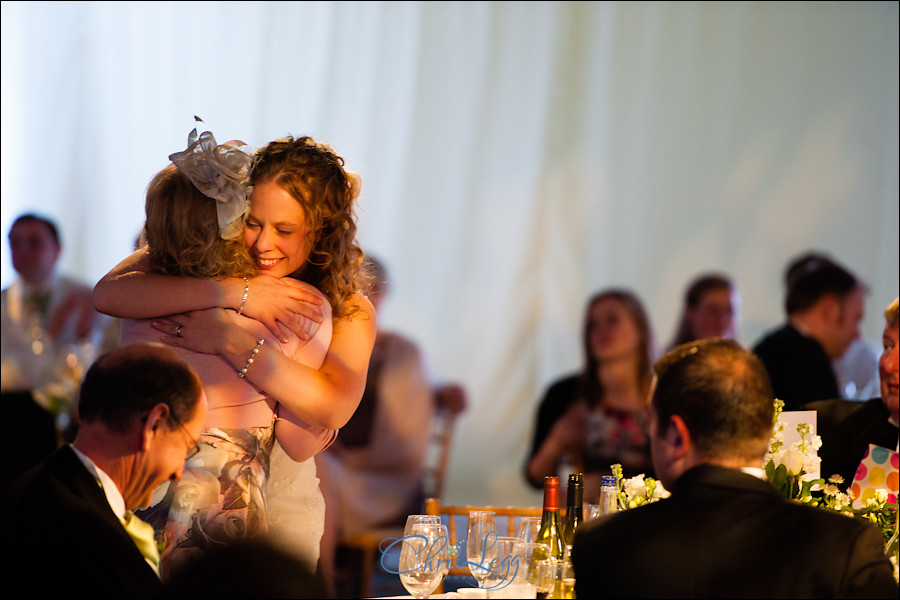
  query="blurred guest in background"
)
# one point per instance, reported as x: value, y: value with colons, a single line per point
x: 847, y: 428
x: 372, y: 476
x: 712, y: 308
x: 857, y: 370
x: 824, y: 306
x: 68, y: 523
x: 590, y: 420
x: 45, y: 315
x: 716, y: 536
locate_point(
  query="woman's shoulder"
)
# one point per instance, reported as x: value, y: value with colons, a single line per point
x: 561, y: 393
x: 358, y: 306
x: 565, y: 385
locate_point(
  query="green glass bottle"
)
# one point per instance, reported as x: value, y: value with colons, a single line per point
x: 551, y: 533
x: 574, y: 507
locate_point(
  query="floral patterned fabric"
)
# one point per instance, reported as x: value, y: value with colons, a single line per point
x: 617, y: 436
x: 219, y: 500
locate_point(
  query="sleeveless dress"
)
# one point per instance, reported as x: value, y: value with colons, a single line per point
x: 227, y: 492
x: 219, y: 500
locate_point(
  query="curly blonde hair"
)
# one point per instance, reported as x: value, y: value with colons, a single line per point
x: 182, y: 232
x: 314, y: 175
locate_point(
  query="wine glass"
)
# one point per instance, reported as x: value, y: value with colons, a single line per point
x: 502, y: 567
x: 424, y: 558
x: 416, y: 519
x: 527, y: 529
x: 481, y: 534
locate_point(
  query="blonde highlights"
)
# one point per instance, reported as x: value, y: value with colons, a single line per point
x: 182, y: 232
x: 892, y: 312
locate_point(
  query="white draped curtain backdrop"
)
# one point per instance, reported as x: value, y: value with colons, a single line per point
x: 515, y: 156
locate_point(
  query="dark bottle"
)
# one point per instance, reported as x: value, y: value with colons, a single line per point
x: 574, y: 507
x: 551, y: 533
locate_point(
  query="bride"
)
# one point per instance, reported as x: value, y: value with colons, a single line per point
x: 195, y: 285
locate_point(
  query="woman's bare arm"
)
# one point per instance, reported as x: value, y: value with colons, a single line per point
x: 130, y: 290
x: 326, y: 397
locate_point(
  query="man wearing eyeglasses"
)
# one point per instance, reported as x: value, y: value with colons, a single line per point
x: 68, y: 525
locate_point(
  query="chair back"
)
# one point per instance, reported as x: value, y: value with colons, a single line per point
x: 440, y: 443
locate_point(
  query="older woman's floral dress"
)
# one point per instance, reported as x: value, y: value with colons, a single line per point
x: 219, y: 500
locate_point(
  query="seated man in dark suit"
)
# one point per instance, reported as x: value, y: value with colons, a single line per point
x: 724, y: 531
x: 824, y: 305
x: 847, y: 427
x: 67, y: 523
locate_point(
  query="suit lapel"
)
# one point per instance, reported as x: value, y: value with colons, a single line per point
x: 71, y: 472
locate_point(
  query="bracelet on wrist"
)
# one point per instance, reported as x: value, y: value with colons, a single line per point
x: 246, y: 293
x: 243, y: 372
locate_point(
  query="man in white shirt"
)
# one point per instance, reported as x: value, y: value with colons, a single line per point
x: 45, y: 313
x: 67, y: 523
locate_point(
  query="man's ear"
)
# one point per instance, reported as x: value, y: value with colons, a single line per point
x: 152, y: 425
x: 678, y: 437
x: 831, y: 308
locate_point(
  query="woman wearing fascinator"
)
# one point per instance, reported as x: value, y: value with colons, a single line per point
x: 264, y: 303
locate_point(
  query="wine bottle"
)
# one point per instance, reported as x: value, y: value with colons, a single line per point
x: 574, y: 507
x: 551, y: 533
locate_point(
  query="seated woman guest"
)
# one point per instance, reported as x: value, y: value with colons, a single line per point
x: 598, y: 417
x: 712, y: 308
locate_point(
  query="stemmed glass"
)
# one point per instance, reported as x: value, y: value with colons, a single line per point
x: 481, y: 535
x: 424, y: 558
x: 527, y: 529
x: 416, y: 519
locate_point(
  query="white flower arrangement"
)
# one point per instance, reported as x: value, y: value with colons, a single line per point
x: 790, y: 468
x: 637, y: 490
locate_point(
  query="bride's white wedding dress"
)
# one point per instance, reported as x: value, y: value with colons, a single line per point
x: 296, y: 507
x: 294, y: 502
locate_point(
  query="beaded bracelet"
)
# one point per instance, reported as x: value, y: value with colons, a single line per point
x: 253, y: 353
x: 246, y: 292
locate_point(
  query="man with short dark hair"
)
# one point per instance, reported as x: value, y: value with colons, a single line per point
x: 43, y: 311
x: 724, y: 531
x: 824, y: 306
x: 847, y: 427
x: 67, y: 523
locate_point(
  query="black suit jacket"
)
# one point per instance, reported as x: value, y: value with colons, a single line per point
x: 798, y: 367
x: 62, y: 539
x: 726, y: 534
x: 847, y: 428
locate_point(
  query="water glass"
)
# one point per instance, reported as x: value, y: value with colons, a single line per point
x: 545, y: 576
x: 503, y: 567
x: 592, y: 511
